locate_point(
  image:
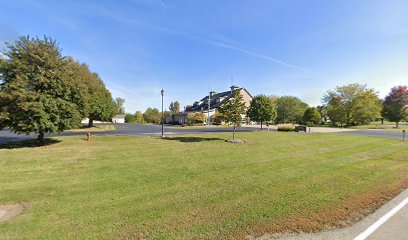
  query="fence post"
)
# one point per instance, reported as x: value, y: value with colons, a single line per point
x: 403, y: 134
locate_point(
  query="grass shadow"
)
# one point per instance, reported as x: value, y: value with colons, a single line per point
x: 192, y: 139
x: 28, y: 143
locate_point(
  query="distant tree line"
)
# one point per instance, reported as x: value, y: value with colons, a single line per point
x: 44, y: 92
x: 344, y: 106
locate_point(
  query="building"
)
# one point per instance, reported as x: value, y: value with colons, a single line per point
x: 209, y: 105
x: 118, y: 119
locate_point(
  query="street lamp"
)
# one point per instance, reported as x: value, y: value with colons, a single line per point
x: 162, y: 122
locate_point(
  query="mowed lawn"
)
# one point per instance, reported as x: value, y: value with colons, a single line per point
x: 197, y: 186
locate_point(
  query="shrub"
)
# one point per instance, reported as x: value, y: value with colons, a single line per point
x: 197, y: 117
x: 217, y: 118
x: 286, y: 127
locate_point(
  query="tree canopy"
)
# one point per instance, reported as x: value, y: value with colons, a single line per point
x: 352, y: 104
x: 174, y: 107
x: 290, y: 109
x: 139, y: 117
x: 312, y: 116
x: 152, y: 115
x: 261, y: 109
x: 120, y: 105
x: 395, y: 106
x: 42, y: 91
x: 196, y: 117
x: 233, y: 109
x: 36, y: 95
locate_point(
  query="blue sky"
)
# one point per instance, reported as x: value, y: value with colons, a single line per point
x: 272, y: 47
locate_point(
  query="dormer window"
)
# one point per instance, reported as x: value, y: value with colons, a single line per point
x: 220, y: 99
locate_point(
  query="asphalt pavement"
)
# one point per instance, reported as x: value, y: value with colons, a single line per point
x: 155, y: 130
x: 130, y: 130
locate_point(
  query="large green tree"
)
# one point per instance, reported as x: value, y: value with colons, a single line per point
x: 101, y: 105
x: 97, y: 103
x: 353, y: 103
x: 36, y: 94
x: 233, y: 109
x: 395, y: 106
x: 152, y: 115
x: 261, y: 109
x: 290, y: 109
x: 312, y: 116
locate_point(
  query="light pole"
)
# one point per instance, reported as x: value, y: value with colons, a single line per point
x: 208, y: 113
x: 162, y: 122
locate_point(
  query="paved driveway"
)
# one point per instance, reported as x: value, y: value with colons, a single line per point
x: 155, y: 130
x: 368, y: 132
x: 131, y: 130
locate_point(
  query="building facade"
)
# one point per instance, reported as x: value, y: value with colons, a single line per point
x: 208, y: 105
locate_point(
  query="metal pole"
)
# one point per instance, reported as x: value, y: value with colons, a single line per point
x: 208, y: 114
x: 162, y: 121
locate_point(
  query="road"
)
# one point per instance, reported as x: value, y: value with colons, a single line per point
x: 131, y: 130
x: 155, y: 130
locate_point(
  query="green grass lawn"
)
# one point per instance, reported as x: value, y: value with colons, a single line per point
x: 96, y: 128
x: 196, y: 186
x: 389, y: 126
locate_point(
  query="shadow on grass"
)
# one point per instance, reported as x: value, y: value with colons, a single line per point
x: 28, y: 143
x: 192, y: 139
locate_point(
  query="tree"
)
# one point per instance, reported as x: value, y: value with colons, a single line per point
x: 35, y: 93
x: 261, y: 109
x: 290, y: 109
x: 152, y: 115
x: 129, y: 118
x: 312, y: 116
x: 233, y: 109
x: 354, y: 103
x: 174, y: 107
x: 98, y: 103
x: 323, y: 113
x: 196, y: 117
x: 119, y: 103
x: 101, y: 105
x: 367, y: 109
x: 139, y: 117
x: 395, y: 106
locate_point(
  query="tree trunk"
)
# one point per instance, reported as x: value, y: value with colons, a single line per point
x: 261, y: 125
x: 90, y: 123
x: 40, y: 138
x: 397, y: 124
x: 233, y: 133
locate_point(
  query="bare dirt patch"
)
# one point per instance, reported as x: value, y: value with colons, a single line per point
x: 10, y: 211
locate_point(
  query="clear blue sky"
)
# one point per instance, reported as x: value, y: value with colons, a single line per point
x: 273, y: 47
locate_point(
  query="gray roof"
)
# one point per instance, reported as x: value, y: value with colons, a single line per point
x: 216, y: 99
